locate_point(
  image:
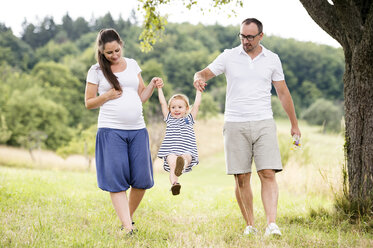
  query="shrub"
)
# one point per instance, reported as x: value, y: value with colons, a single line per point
x: 325, y: 113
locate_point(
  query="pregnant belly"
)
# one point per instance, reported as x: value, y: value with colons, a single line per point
x: 127, y: 109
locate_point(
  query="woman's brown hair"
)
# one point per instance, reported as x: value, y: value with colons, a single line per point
x: 103, y: 37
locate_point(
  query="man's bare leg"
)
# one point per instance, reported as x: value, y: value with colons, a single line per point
x: 269, y: 194
x: 244, y: 197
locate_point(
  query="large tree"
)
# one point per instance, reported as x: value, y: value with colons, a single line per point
x: 350, y: 22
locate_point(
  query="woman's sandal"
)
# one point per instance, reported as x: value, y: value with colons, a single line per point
x: 133, y: 224
x: 132, y: 232
x: 175, y: 189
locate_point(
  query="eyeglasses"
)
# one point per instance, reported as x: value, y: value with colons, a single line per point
x: 248, y: 37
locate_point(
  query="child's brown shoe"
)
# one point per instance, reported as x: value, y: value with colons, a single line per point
x: 179, y: 166
x: 175, y: 189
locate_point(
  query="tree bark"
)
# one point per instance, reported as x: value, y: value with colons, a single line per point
x: 351, y: 24
x: 358, y: 92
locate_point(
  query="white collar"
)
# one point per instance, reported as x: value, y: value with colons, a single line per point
x: 264, y: 50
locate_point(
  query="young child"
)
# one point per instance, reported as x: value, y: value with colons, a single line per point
x: 179, y: 148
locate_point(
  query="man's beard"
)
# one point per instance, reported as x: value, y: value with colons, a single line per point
x: 248, y: 48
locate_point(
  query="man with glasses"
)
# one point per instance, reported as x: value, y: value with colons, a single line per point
x: 249, y: 129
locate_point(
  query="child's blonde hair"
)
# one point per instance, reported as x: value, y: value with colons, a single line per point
x: 180, y: 97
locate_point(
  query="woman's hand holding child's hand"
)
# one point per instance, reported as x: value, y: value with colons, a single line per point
x: 158, y: 82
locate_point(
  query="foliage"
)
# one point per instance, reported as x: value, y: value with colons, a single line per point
x: 208, y: 108
x: 55, y: 58
x: 5, y: 133
x: 106, y: 21
x: 154, y: 22
x: 218, y: 94
x: 37, y: 36
x: 14, y: 51
x: 55, y: 52
x: 156, y: 130
x: 27, y: 110
x: 325, y: 113
x: 86, y: 41
x: 310, y: 73
x: 309, y: 93
x: 153, y: 25
x: 74, y: 29
x: 182, y: 80
x: 39, y: 114
x: 152, y: 109
x: 83, y: 144
x: 66, y: 89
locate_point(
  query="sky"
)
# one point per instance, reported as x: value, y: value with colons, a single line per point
x: 284, y: 18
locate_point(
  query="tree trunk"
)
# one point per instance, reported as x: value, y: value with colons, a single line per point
x: 350, y: 22
x: 358, y: 92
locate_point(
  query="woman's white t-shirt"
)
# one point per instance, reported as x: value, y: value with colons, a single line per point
x: 124, y: 112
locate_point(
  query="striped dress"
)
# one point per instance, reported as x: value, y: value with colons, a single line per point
x: 179, y: 139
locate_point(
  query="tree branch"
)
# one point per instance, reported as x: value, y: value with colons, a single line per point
x: 324, y: 14
x: 349, y: 12
x: 154, y: 23
x: 364, y: 7
x: 368, y: 19
x: 367, y: 33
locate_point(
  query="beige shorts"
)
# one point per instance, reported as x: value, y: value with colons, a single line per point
x: 244, y: 141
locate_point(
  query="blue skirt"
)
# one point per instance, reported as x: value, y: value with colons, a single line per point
x: 123, y: 159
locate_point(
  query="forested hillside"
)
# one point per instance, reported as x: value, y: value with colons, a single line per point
x: 42, y: 73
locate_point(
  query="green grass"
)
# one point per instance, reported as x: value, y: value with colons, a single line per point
x: 42, y: 208
x: 62, y: 208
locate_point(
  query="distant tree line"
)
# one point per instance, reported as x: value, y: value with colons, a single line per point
x: 42, y: 74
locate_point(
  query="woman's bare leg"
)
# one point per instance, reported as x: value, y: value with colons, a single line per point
x: 135, y: 197
x: 121, y: 206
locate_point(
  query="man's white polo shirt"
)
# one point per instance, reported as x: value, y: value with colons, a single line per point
x: 249, y: 83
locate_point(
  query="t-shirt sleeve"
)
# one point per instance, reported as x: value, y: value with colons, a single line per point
x: 92, y: 75
x: 218, y: 65
x: 278, y: 73
x: 136, y: 67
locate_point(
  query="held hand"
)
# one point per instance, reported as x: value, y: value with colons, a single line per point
x: 199, y: 84
x: 157, y: 82
x: 113, y: 94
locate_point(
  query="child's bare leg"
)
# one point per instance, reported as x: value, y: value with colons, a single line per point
x: 188, y: 159
x: 171, y: 160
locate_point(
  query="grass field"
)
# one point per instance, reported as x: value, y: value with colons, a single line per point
x: 57, y: 205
